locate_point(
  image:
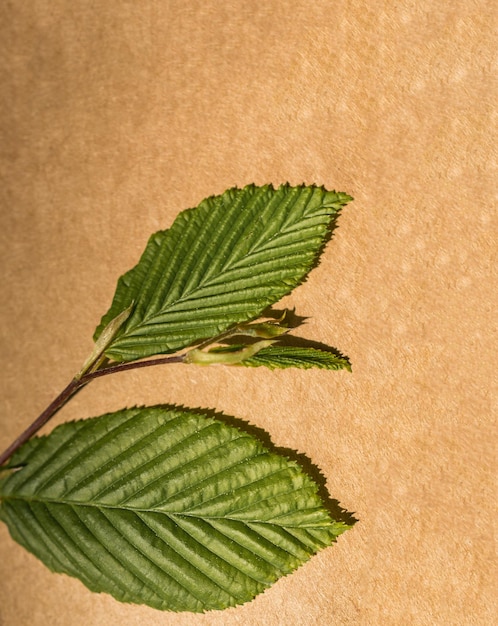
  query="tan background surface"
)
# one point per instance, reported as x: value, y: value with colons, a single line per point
x: 117, y: 115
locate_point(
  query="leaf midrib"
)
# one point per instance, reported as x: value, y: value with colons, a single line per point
x: 170, y: 514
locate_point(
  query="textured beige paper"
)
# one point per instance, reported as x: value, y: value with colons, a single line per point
x: 114, y: 116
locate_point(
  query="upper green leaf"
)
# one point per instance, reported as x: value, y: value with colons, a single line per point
x: 165, y: 507
x: 219, y: 264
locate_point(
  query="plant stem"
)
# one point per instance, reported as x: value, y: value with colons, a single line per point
x: 121, y: 367
x: 43, y: 418
x: 74, y: 386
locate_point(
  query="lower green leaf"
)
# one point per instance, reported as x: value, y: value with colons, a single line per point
x: 164, y: 506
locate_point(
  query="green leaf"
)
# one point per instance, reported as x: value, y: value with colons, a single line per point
x: 278, y: 357
x: 164, y: 506
x: 220, y: 264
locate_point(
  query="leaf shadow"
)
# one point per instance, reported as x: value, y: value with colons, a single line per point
x: 336, y: 511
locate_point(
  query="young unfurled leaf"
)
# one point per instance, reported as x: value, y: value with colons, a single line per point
x: 219, y: 264
x: 164, y: 506
x: 219, y: 356
x: 266, y: 353
x: 279, y: 357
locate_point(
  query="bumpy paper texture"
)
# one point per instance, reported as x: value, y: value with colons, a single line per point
x: 115, y: 118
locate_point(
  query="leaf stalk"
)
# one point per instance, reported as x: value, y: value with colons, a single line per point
x: 72, y: 388
x: 42, y: 419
